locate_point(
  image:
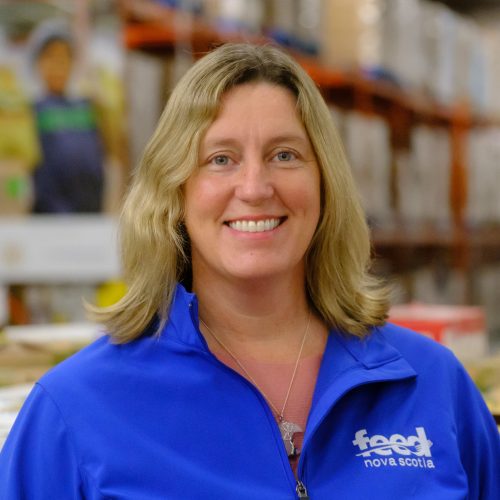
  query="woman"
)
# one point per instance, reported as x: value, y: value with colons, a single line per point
x: 270, y: 371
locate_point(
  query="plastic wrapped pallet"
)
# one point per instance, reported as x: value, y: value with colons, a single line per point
x: 491, y: 41
x: 352, y: 33
x: 488, y: 278
x: 407, y: 186
x: 431, y: 150
x: 309, y: 25
x: 402, y: 42
x: 370, y: 159
x: 146, y: 75
x: 235, y: 15
x: 478, y: 72
x: 438, y: 284
x: 421, y: 201
x: 483, y: 162
x: 456, y: 57
x: 439, y: 34
x: 469, y: 71
x: 375, y: 36
x: 281, y: 20
x: 338, y: 117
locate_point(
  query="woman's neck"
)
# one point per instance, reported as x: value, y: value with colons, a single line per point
x: 265, y: 320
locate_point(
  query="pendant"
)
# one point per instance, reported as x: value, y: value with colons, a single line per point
x: 288, y: 429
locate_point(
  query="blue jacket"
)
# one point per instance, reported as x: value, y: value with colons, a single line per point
x: 394, y: 416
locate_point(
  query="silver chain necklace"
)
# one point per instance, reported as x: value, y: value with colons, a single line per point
x: 287, y: 429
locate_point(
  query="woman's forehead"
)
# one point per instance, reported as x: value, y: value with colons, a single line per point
x: 266, y: 108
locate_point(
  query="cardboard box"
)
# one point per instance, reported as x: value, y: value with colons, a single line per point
x: 461, y: 328
x: 380, y: 37
x: 350, y: 38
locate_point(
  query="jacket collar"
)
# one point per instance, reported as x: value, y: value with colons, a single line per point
x: 348, y: 361
x: 183, y: 320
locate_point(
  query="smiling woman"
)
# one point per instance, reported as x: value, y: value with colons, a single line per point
x: 250, y: 357
x: 253, y: 205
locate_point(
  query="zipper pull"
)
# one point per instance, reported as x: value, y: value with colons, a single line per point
x: 301, y: 490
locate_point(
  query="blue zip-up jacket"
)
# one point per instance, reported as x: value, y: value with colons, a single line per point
x: 394, y: 416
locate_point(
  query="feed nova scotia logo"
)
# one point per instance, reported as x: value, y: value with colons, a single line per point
x: 394, y: 451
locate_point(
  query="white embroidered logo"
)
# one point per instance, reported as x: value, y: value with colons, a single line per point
x: 396, y: 450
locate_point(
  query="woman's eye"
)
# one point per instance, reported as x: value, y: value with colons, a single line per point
x: 220, y: 160
x: 285, y: 156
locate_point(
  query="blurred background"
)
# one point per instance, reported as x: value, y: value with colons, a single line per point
x: 413, y: 86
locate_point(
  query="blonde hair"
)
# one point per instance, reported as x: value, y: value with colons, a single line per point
x: 154, y: 243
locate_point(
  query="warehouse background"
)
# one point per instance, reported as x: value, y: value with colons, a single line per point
x: 413, y: 86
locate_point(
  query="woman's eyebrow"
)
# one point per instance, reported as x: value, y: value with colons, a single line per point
x: 229, y: 141
x: 289, y: 138
x: 219, y: 142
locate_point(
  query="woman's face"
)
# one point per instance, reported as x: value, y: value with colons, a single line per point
x: 253, y: 204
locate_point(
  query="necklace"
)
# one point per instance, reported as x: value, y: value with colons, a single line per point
x: 287, y: 429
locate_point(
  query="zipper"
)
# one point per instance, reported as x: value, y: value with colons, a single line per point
x: 301, y: 490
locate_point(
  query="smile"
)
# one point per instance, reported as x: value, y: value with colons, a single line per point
x: 254, y: 226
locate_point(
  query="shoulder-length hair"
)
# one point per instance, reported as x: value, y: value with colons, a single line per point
x: 154, y: 243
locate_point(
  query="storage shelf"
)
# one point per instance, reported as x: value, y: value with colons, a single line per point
x: 433, y: 236
x: 155, y: 27
x: 152, y: 27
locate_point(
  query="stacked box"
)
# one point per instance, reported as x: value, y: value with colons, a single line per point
x: 457, y: 57
x: 145, y: 80
x: 461, y: 328
x: 294, y: 24
x: 491, y: 41
x: 438, y: 283
x: 429, y: 158
x: 488, y: 291
x: 439, y: 35
x: 468, y: 64
x: 478, y: 72
x: 375, y: 36
x: 370, y: 159
x: 281, y: 21
x: 483, y: 172
x: 352, y: 33
x: 402, y: 47
x: 236, y: 15
x: 308, y: 26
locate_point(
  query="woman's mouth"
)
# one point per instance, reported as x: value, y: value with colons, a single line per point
x: 255, y: 226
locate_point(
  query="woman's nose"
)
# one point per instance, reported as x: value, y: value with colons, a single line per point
x: 254, y: 183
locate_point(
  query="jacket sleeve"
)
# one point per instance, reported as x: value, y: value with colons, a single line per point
x: 479, y: 440
x: 38, y: 460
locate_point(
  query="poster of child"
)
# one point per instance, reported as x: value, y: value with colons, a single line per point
x: 70, y: 175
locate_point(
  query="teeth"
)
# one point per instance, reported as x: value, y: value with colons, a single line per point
x: 251, y: 226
